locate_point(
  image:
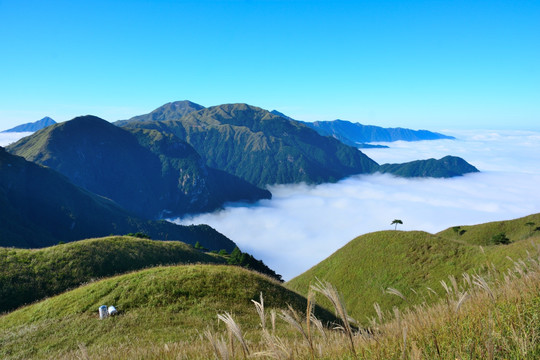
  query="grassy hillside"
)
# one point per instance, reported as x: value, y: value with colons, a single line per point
x: 482, y: 234
x: 490, y: 316
x: 30, y: 275
x: 365, y: 268
x: 170, y: 313
x: 157, y: 306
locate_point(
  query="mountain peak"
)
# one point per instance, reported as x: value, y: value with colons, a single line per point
x: 87, y: 119
x: 278, y: 113
x: 34, y: 126
x: 184, y: 104
x: 169, y: 111
x: 88, y: 126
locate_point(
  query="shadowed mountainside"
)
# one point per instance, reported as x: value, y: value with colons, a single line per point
x: 147, y: 172
x: 40, y: 207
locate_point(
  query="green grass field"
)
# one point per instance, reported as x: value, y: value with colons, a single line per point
x: 162, y: 304
x: 30, y: 275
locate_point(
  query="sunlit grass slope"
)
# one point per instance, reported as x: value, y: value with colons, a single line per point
x: 481, y: 234
x: 367, y: 269
x: 157, y: 305
x: 30, y: 275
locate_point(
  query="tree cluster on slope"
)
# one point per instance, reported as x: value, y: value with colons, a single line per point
x: 246, y: 260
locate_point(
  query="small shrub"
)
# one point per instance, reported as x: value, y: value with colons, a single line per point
x: 140, y: 235
x: 199, y: 247
x: 500, y: 238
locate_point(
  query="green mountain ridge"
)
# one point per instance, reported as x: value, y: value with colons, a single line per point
x: 268, y: 148
x: 261, y: 147
x: 144, y: 171
x: 40, y: 207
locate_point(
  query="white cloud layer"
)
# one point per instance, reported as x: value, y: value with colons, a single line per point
x: 303, y: 225
x: 11, y: 137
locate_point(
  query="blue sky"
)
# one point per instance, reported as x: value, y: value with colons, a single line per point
x: 419, y: 64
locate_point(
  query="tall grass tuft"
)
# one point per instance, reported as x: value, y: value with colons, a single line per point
x: 260, y: 310
x: 331, y: 293
x: 277, y: 348
x: 219, y: 345
x: 291, y: 317
x: 83, y: 355
x: 396, y: 292
x: 235, y: 330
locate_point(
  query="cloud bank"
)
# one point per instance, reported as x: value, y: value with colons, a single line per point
x: 303, y: 225
x: 11, y: 137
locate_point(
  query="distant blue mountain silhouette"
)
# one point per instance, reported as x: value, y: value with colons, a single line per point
x: 32, y: 127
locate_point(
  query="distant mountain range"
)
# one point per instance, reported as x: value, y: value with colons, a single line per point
x: 149, y: 173
x: 40, y: 207
x: 261, y: 147
x: 356, y: 134
x: 267, y: 148
x: 31, y: 127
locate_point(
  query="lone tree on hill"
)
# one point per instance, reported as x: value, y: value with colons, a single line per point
x: 396, y: 222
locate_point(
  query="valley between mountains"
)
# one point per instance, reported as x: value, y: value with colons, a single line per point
x: 83, y: 207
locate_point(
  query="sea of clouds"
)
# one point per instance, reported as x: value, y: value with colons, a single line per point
x: 11, y: 137
x: 303, y: 224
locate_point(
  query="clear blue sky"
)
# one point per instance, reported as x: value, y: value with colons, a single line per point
x: 418, y: 64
